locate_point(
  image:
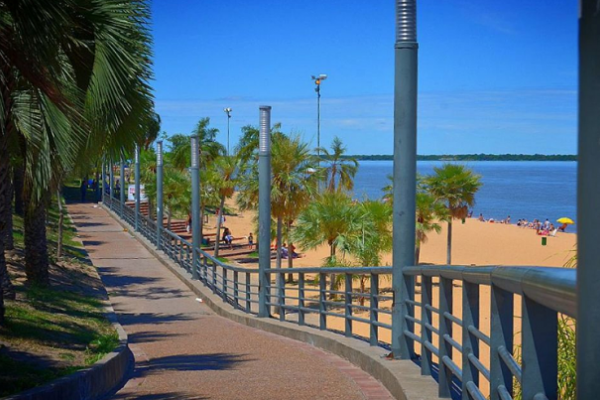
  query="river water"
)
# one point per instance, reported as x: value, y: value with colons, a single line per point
x: 521, y: 189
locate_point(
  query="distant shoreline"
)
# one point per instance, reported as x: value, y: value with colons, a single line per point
x: 471, y: 157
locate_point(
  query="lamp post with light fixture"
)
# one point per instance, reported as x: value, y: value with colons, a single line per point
x: 228, y: 112
x: 318, y: 79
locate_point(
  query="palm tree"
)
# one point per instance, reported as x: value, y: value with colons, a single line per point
x: 455, y: 186
x: 429, y: 213
x: 327, y: 220
x: 372, y: 239
x: 340, y: 168
x: 74, y: 85
x: 293, y: 185
x: 224, y: 182
x: 210, y: 149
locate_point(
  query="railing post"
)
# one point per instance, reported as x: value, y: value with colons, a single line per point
x: 111, y: 184
x: 539, y: 350
x: 445, y: 374
x: 322, y: 300
x: 264, y: 209
x: 501, y: 335
x: 281, y: 295
x: 195, y: 172
x: 588, y: 198
x: 236, y: 294
x: 103, y: 177
x: 470, y: 343
x: 301, y: 298
x: 374, y: 306
x: 224, y: 284
x: 122, y: 192
x: 348, y: 305
x: 137, y: 188
x: 248, y: 293
x: 159, y: 192
x: 405, y: 164
x: 426, y: 335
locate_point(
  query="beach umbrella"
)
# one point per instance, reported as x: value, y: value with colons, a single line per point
x: 565, y: 220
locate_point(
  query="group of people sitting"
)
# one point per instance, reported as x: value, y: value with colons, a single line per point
x: 545, y: 228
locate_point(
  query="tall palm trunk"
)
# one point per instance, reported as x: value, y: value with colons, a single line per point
x: 290, y: 252
x: 6, y: 286
x: 18, y: 179
x: 449, y: 248
x: 8, y: 218
x: 36, y: 246
x: 219, y: 220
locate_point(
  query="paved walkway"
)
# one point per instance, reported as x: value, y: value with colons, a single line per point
x: 184, y: 351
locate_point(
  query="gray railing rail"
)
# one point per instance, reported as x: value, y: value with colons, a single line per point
x: 545, y: 292
x: 360, y: 299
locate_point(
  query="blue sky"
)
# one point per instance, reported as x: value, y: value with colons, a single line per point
x: 494, y: 76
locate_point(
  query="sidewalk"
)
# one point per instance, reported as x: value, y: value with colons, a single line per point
x: 184, y: 351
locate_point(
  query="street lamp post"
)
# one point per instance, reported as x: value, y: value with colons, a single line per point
x: 195, y: 172
x: 228, y: 112
x: 159, y: 192
x: 264, y: 209
x: 318, y: 79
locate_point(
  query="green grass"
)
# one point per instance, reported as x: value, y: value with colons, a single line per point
x: 53, y: 331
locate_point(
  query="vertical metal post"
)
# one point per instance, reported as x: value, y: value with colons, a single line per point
x: 159, y: 192
x: 501, y: 335
x: 264, y: 208
x: 281, y: 295
x: 101, y: 184
x: 445, y: 374
x: 195, y: 172
x: 426, y: 336
x: 470, y: 343
x: 405, y: 165
x: 122, y: 192
x: 588, y: 198
x: 137, y: 187
x: 348, y: 305
x: 373, y: 312
x: 322, y: 300
x: 540, y: 349
x: 111, y: 183
x: 301, y: 298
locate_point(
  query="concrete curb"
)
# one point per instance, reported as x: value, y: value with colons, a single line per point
x: 96, y: 382
x: 402, y: 378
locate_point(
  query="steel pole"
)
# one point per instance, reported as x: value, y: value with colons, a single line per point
x: 588, y: 198
x: 101, y: 184
x: 319, y: 134
x: 405, y: 166
x: 228, y: 118
x: 137, y: 187
x: 264, y: 209
x: 159, y: 192
x: 111, y: 183
x: 195, y: 172
x: 122, y: 179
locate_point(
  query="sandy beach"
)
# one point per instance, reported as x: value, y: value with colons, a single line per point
x: 474, y: 243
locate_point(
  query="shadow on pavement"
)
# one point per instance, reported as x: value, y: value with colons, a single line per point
x: 152, y: 318
x: 159, y: 396
x: 191, y: 362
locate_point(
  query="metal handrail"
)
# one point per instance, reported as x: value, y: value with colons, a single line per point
x: 545, y: 291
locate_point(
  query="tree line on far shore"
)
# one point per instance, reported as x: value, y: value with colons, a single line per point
x: 473, y: 157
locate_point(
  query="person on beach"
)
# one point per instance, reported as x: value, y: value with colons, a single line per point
x: 188, y: 225
x: 562, y: 227
x: 250, y: 241
x: 481, y: 218
x: 84, y: 186
x: 546, y: 224
x: 228, y: 238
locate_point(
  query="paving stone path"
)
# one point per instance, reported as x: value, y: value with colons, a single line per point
x: 184, y: 351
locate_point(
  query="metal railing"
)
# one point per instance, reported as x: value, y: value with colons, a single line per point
x: 461, y: 343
